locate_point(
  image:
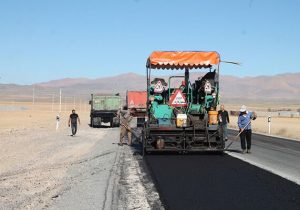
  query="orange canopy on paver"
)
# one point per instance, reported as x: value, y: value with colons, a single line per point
x: 182, y: 59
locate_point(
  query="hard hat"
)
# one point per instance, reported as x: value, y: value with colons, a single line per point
x: 243, y: 108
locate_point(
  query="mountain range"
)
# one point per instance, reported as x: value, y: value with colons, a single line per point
x: 282, y: 87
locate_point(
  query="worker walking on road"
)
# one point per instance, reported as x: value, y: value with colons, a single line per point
x: 125, y: 119
x: 244, y: 123
x: 73, y: 122
x: 223, y: 121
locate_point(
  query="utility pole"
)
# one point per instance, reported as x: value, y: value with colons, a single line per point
x: 33, y: 96
x: 80, y: 105
x: 60, y: 100
x: 65, y: 104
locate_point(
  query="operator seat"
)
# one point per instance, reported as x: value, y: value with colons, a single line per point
x: 159, y: 85
x: 210, y: 76
x: 161, y: 112
x: 158, y: 89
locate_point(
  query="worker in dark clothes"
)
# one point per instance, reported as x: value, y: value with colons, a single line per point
x: 125, y: 119
x: 73, y: 122
x: 244, y: 123
x: 223, y: 121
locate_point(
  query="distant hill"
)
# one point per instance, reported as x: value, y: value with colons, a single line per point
x: 275, y: 88
x: 282, y: 87
x: 63, y: 82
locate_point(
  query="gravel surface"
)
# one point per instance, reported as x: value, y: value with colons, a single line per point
x: 211, y: 181
x: 44, y: 169
x: 41, y: 168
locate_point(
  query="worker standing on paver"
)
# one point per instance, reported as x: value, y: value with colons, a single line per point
x: 125, y: 119
x: 223, y: 121
x: 244, y: 123
x: 73, y: 122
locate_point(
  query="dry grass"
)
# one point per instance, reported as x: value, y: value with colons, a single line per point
x: 37, y: 116
x: 280, y: 126
x: 41, y: 115
x: 285, y: 127
x: 264, y: 107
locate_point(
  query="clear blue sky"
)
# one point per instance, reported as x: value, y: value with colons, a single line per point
x: 43, y: 40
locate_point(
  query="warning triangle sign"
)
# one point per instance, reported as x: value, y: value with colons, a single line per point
x: 131, y: 103
x: 158, y: 88
x: 178, y: 99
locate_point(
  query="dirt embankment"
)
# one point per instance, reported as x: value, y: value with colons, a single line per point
x: 34, y: 157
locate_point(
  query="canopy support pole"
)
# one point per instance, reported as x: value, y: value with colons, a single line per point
x: 186, y: 76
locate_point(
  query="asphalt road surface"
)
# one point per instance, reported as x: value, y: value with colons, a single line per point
x: 278, y: 155
x: 211, y: 181
x: 232, y: 180
x: 90, y: 171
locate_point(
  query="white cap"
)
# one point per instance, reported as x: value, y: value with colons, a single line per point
x: 243, y: 108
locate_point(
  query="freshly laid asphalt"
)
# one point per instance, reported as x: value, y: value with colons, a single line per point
x: 279, y: 155
x: 214, y: 181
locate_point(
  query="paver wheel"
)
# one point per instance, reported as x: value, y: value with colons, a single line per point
x: 112, y: 123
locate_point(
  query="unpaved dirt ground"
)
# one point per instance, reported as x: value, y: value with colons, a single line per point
x: 41, y: 168
x: 24, y: 115
x: 280, y: 126
x: 44, y: 168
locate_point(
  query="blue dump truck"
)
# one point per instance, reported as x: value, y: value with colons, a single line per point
x: 104, y: 109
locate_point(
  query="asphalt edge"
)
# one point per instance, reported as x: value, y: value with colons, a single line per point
x: 266, y: 168
x: 147, y: 178
x: 150, y: 176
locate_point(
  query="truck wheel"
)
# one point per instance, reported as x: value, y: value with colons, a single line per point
x: 112, y: 123
x: 92, y: 122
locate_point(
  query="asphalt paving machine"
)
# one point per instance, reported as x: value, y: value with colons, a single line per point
x: 183, y: 117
